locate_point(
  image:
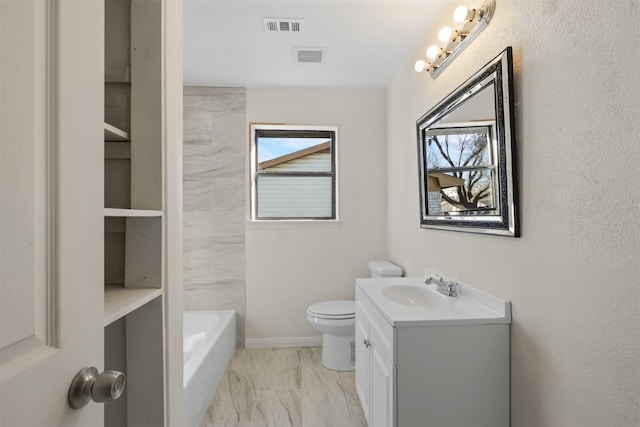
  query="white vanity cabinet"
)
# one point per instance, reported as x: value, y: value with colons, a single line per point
x: 413, y: 371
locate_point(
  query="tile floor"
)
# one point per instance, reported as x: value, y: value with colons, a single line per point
x: 283, y: 387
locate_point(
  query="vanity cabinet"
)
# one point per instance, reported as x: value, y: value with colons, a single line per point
x: 412, y: 374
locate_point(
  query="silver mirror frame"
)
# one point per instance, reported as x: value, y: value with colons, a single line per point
x: 499, y: 72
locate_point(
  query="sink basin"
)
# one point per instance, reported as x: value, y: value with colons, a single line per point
x: 413, y: 296
x: 408, y: 301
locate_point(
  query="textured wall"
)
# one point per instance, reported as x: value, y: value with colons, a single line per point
x: 214, y: 200
x: 573, y: 275
x: 292, y: 265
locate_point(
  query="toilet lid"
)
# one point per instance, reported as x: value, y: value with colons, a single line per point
x: 334, y: 309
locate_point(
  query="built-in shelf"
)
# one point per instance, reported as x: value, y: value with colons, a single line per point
x: 137, y: 213
x: 120, y: 301
x: 109, y: 80
x: 117, y: 150
x: 113, y: 134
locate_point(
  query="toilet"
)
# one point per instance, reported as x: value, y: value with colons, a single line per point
x: 337, y: 322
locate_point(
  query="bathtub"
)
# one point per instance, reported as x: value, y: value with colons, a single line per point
x: 208, y: 343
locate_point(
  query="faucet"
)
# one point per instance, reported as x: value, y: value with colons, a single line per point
x: 444, y: 287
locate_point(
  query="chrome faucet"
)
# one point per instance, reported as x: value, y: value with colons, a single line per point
x: 444, y: 287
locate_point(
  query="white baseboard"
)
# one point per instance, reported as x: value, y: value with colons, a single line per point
x: 283, y: 342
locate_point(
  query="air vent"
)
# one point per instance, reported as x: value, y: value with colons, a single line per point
x: 310, y: 55
x: 283, y: 25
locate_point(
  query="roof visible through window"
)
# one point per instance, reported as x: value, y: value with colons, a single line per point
x: 270, y: 148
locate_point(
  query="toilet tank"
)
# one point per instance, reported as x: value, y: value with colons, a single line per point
x: 384, y: 269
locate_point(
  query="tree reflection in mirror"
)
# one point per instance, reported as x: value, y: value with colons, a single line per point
x: 461, y: 170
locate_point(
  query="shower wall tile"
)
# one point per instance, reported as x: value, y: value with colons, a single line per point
x: 214, y: 172
x: 229, y: 126
x: 228, y: 297
x: 197, y: 229
x: 229, y: 262
x: 198, y: 269
x: 229, y: 208
x: 213, y: 161
x: 197, y: 195
x: 209, y: 265
x: 215, y: 99
x: 197, y: 128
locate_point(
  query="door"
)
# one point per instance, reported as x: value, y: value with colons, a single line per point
x: 51, y: 215
x: 382, y: 398
x: 362, y: 361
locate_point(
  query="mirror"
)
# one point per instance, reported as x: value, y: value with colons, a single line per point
x: 466, y: 155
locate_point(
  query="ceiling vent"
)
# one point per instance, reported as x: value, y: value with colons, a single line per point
x: 310, y: 55
x: 283, y: 25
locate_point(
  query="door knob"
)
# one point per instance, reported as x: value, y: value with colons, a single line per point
x: 366, y: 343
x: 88, y: 385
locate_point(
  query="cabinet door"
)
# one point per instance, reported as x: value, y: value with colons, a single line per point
x: 382, y: 402
x: 51, y: 268
x: 362, y: 363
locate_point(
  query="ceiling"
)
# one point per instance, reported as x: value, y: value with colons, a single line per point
x: 366, y: 41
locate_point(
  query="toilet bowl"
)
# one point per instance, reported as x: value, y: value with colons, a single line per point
x: 336, y: 320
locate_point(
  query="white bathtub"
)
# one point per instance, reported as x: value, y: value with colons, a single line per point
x: 209, y: 342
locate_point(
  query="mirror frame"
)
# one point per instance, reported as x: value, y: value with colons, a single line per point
x: 499, y: 72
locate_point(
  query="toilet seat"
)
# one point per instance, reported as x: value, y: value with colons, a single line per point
x: 340, y: 309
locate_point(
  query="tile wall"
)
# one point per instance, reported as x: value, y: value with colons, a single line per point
x: 214, y: 200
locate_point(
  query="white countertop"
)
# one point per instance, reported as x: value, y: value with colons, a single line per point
x: 471, y: 307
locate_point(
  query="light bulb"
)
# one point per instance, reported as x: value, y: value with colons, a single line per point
x: 420, y: 65
x: 433, y: 52
x: 445, y: 34
x: 462, y: 13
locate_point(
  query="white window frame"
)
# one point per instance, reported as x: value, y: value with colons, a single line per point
x: 254, y: 129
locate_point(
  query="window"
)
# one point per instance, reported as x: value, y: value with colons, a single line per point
x: 293, y: 172
x: 460, y: 170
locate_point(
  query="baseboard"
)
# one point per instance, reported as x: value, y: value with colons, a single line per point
x: 283, y: 342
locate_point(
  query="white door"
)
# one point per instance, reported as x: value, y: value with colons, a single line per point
x: 382, y: 396
x: 363, y: 356
x: 51, y: 216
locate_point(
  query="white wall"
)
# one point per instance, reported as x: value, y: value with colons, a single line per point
x: 290, y: 266
x: 573, y: 276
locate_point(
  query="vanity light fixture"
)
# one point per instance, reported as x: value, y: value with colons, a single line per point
x: 469, y: 23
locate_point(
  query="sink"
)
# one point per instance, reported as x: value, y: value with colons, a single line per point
x: 408, y: 301
x: 413, y: 296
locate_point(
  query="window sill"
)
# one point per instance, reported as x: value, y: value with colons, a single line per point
x: 295, y: 223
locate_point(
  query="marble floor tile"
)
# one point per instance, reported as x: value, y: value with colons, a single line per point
x: 284, y: 387
x: 281, y: 408
x: 234, y: 400
x: 320, y: 378
x: 355, y: 409
x: 320, y: 406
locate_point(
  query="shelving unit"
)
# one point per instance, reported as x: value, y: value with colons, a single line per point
x: 113, y: 134
x: 119, y: 301
x: 132, y: 213
x: 134, y: 220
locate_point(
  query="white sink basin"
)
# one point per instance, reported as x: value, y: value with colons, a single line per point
x: 414, y: 296
x: 408, y: 301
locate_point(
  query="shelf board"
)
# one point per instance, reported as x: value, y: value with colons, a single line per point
x: 113, y: 134
x: 116, y: 212
x: 120, y: 301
